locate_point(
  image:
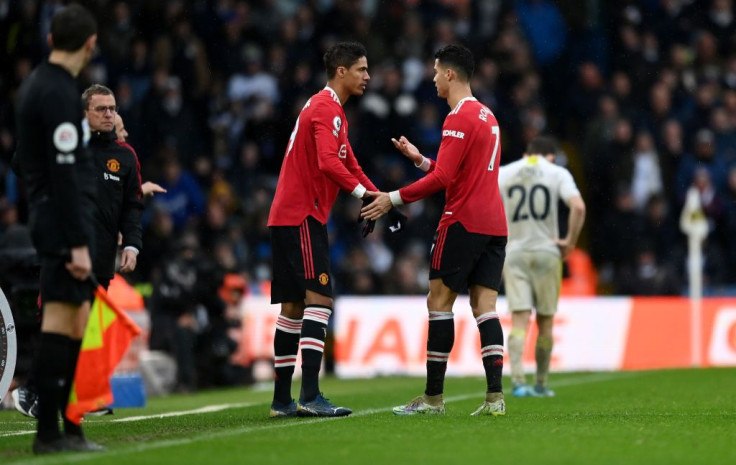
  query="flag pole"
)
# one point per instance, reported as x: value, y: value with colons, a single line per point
x: 694, y: 224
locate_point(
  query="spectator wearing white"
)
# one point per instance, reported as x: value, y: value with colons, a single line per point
x: 646, y: 176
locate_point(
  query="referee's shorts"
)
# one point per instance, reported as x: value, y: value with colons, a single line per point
x: 58, y: 285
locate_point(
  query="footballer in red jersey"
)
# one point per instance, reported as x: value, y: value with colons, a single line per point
x: 469, y: 246
x: 318, y: 163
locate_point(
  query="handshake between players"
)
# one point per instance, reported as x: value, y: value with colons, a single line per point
x: 376, y: 204
x: 382, y: 202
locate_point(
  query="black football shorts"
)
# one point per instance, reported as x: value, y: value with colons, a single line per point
x: 300, y: 261
x: 58, y: 285
x: 461, y: 258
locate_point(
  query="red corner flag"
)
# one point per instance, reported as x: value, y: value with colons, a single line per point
x: 106, y: 339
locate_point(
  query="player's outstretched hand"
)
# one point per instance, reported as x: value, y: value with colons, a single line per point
x: 380, y: 206
x: 396, y: 220
x: 408, y: 149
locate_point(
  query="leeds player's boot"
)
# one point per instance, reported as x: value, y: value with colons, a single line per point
x: 542, y: 391
x: 522, y: 390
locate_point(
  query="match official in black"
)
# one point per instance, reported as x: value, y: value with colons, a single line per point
x: 57, y: 170
x: 118, y: 201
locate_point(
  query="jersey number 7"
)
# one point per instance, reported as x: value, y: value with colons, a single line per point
x: 495, y: 132
x: 292, y: 137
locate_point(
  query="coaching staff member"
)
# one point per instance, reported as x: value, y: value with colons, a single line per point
x: 57, y: 171
x: 118, y: 200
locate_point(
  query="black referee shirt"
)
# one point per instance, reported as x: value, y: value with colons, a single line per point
x: 53, y: 160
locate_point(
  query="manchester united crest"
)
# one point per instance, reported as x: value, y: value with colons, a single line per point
x: 113, y: 165
x: 324, y: 279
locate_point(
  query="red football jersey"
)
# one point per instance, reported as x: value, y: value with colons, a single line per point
x: 467, y: 168
x: 318, y: 163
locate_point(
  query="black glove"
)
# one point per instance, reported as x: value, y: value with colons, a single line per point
x: 369, y: 224
x: 396, y: 220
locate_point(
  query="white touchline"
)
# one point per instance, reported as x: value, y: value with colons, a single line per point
x: 16, y: 433
x: 207, y: 409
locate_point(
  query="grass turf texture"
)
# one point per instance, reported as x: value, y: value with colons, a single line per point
x: 668, y: 417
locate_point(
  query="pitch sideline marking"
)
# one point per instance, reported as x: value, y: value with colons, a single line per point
x: 16, y: 433
x: 206, y: 409
x: 78, y: 457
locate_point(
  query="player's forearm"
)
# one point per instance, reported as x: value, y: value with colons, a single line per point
x: 363, y: 179
x: 355, y: 169
x: 425, y: 164
x: 576, y: 220
x: 339, y: 174
x: 425, y: 187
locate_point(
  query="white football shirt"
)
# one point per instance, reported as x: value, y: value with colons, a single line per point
x: 531, y: 189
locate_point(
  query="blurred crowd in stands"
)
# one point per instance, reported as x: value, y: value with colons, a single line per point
x: 641, y: 94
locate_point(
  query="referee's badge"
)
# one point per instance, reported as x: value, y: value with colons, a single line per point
x: 324, y: 279
x: 66, y: 137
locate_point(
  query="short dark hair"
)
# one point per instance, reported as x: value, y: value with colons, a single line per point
x: 71, y: 26
x: 342, y: 54
x: 457, y: 57
x: 95, y: 89
x: 542, y: 145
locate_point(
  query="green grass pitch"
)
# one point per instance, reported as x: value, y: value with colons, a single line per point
x: 656, y: 417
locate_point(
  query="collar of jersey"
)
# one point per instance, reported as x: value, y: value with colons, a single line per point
x: 333, y: 93
x: 459, y: 104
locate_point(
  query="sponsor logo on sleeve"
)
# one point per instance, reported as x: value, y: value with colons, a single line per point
x: 343, y: 153
x: 453, y: 133
x: 65, y: 137
x: 65, y: 158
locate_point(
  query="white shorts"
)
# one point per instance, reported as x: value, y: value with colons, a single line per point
x: 532, y: 281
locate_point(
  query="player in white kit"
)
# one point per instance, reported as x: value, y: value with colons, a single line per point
x: 531, y: 189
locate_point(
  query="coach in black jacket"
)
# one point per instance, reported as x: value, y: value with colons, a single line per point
x: 118, y: 202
